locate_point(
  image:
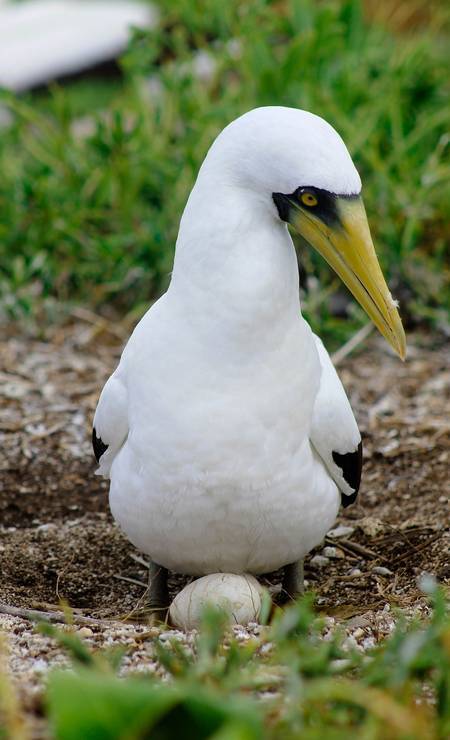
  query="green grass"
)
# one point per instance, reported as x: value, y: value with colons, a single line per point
x: 89, y: 212
x: 303, y: 688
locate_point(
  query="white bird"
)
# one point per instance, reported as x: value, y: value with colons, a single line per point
x: 225, y: 431
x: 42, y: 40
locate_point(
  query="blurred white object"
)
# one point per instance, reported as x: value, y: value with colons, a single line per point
x: 238, y: 595
x: 41, y: 40
x: 6, y: 118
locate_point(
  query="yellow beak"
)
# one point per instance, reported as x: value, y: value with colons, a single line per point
x: 348, y: 248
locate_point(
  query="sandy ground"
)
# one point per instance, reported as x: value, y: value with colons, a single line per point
x: 58, y: 542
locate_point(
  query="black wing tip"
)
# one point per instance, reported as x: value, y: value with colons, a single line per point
x: 351, y: 466
x: 98, y: 445
x: 348, y: 499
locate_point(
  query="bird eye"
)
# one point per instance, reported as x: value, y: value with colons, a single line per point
x: 308, y: 199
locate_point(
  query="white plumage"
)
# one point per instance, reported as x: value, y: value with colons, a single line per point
x: 42, y: 40
x: 223, y: 415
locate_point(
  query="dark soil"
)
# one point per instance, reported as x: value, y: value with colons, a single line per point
x: 57, y: 538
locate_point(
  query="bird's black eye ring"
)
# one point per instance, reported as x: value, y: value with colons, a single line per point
x: 308, y: 199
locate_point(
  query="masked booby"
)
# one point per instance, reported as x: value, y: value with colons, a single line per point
x: 225, y: 431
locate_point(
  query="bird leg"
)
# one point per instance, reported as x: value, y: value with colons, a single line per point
x: 158, y: 599
x: 292, y: 585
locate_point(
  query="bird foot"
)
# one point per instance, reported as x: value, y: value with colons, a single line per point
x: 156, y: 608
x: 292, y: 586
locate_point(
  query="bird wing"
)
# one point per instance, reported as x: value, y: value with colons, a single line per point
x: 110, y: 428
x: 334, y: 431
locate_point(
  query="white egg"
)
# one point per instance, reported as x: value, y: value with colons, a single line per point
x: 237, y: 595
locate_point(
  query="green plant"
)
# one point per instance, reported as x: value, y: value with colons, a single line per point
x: 302, y: 686
x: 94, y: 180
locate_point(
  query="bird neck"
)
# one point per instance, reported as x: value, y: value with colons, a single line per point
x: 235, y: 262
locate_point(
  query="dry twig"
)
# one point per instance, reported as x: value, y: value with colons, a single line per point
x: 352, y: 343
x: 35, y: 615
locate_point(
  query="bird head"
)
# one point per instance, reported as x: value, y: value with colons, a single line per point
x: 298, y: 163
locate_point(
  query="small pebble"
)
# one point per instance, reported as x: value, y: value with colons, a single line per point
x: 341, y: 531
x: 40, y: 666
x: 171, y: 634
x: 427, y: 583
x: 357, y: 622
x: 380, y: 570
x: 368, y: 643
x: 355, y: 572
x: 332, y: 552
x: 266, y: 648
x: 340, y: 664
x: 357, y: 633
x: 350, y: 643
x: 85, y: 632
x: 47, y: 527
x: 275, y: 589
x: 319, y: 561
